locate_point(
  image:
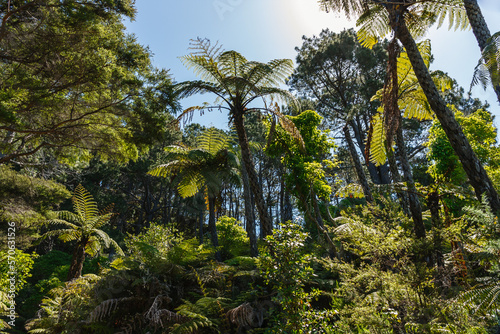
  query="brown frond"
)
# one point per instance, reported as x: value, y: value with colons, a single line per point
x: 246, y: 316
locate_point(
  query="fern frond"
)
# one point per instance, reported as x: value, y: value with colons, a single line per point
x: 482, y: 299
x: 84, y: 204
x: 231, y: 63
x: 289, y: 127
x: 373, y: 25
x: 352, y: 190
x: 190, y: 184
x: 438, y: 11
x: 378, y: 152
x: 213, y: 140
x: 351, y: 8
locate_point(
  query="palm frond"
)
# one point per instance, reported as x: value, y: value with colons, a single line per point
x: 64, y: 234
x: 203, y: 61
x: 167, y: 169
x: 190, y: 88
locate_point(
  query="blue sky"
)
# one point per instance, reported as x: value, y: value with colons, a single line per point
x: 269, y: 29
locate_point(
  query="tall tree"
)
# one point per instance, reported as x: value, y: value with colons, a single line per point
x: 306, y: 176
x: 341, y: 76
x: 203, y: 169
x: 239, y: 84
x: 378, y: 18
x: 71, y: 79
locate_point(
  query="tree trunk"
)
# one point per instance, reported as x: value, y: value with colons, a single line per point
x: 200, y: 225
x: 433, y: 204
x: 477, y: 175
x: 396, y: 178
x: 76, y: 266
x: 414, y: 203
x: 266, y: 224
x: 249, y: 213
x: 375, y: 173
x: 480, y: 30
x: 212, y: 226
x: 357, y: 165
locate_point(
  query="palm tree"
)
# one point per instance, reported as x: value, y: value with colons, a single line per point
x: 203, y: 169
x: 238, y: 85
x: 379, y: 18
x: 83, y: 226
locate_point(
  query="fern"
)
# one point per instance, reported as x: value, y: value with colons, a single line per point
x: 377, y: 147
x: 352, y: 190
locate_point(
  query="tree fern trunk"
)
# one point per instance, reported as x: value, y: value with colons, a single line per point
x: 478, y: 177
x: 249, y: 213
x: 480, y: 30
x: 76, y: 266
x: 265, y: 222
x: 212, y: 226
x: 357, y: 165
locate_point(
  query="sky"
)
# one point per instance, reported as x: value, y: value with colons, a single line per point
x: 263, y: 30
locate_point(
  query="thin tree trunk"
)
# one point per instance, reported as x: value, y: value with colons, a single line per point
x: 360, y: 140
x: 76, y: 266
x: 212, y: 226
x: 357, y: 165
x: 480, y: 30
x: 477, y: 175
x: 266, y: 224
x: 414, y: 203
x: 200, y: 225
x: 396, y: 178
x: 433, y: 204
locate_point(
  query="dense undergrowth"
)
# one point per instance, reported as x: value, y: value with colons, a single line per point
x: 381, y: 281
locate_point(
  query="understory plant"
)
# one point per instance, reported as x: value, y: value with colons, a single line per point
x: 286, y: 269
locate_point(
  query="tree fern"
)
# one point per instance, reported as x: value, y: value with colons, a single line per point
x: 411, y: 101
x: 83, y: 226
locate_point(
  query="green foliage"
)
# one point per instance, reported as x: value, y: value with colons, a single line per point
x: 75, y: 85
x: 15, y: 267
x: 287, y: 269
x: 306, y: 169
x: 84, y: 224
x: 204, y: 167
x: 481, y: 134
x: 190, y: 252
x: 154, y: 246
x: 63, y: 310
x: 411, y: 101
x: 15, y: 270
x: 233, y: 239
x: 26, y: 200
